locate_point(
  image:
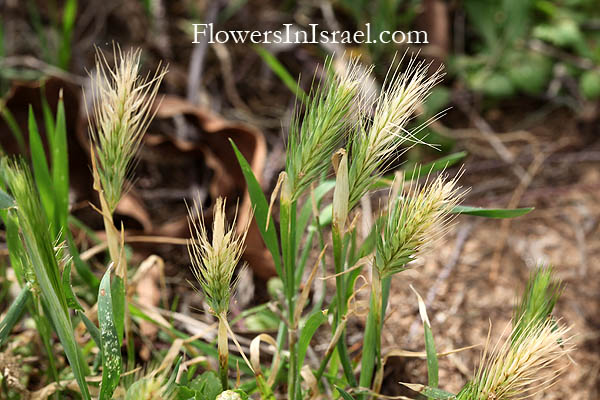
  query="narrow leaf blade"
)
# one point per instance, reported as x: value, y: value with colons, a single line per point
x: 41, y: 173
x: 496, y: 213
x: 308, y: 330
x: 92, y: 329
x: 432, y: 360
x: 6, y: 201
x: 72, y: 301
x: 111, y: 350
x: 281, y: 72
x: 60, y: 167
x: 261, y: 208
x: 345, y: 395
x: 14, y: 313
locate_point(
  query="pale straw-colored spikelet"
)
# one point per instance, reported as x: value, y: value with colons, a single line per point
x: 375, y: 146
x: 214, y: 260
x: 519, y: 369
x: 416, y: 219
x: 526, y: 362
x: 122, y: 111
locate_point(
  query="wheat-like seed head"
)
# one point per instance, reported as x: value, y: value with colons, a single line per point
x: 520, y: 368
x: 122, y: 104
x: 28, y: 214
x: 323, y: 128
x: 214, y: 261
x: 373, y: 148
x: 415, y: 220
x: 537, y: 303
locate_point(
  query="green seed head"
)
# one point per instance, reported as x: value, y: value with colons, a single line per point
x: 324, y: 126
x: 415, y: 220
x: 214, y: 261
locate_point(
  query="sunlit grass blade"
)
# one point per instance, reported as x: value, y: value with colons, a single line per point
x: 345, y: 395
x: 41, y: 171
x: 430, y: 392
x: 60, y: 167
x: 422, y: 170
x: 42, y: 257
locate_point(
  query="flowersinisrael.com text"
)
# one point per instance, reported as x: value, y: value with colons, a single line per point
x: 289, y: 34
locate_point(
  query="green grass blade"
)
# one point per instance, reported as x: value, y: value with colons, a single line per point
x: 118, y: 304
x: 72, y: 301
x: 13, y: 126
x: 92, y: 329
x: 429, y: 392
x: 111, y: 350
x: 325, y: 215
x: 82, y: 268
x: 307, y: 332
x: 261, y: 208
x: 14, y: 313
x: 46, y: 336
x: 437, y: 165
x: 423, y: 170
x: 42, y: 259
x: 306, y: 211
x: 60, y: 167
x: 6, y: 201
x: 16, y: 252
x: 345, y: 395
x: 432, y: 360
x: 61, y: 322
x: 41, y: 173
x: 281, y: 72
x: 49, y: 123
x: 496, y: 213
x: 68, y: 22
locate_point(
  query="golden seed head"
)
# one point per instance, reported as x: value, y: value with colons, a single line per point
x: 122, y: 106
x: 375, y: 146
